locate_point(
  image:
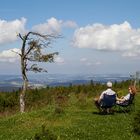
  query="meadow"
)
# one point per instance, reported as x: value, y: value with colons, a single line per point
x: 67, y: 113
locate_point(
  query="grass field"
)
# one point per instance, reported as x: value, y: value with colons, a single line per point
x: 77, y: 121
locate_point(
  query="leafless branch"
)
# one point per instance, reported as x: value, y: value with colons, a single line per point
x: 16, y: 52
x: 20, y: 36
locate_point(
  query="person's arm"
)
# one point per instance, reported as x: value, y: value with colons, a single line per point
x: 120, y: 99
x: 101, y: 96
x: 123, y: 98
x: 117, y: 98
x: 127, y: 97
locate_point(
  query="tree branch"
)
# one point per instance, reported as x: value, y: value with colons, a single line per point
x: 16, y: 52
x: 36, y: 69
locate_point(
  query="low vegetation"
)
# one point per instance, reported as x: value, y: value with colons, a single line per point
x: 66, y: 113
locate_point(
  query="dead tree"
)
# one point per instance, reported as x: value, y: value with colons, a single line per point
x: 31, y: 51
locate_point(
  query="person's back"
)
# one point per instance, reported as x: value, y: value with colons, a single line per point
x: 108, y: 91
x: 108, y: 101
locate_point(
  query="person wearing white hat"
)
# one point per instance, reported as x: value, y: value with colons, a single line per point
x: 109, y: 84
x: 108, y: 91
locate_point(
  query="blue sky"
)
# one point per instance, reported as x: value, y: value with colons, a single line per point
x: 99, y: 36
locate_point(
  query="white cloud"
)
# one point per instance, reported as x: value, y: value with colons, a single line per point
x: 87, y: 62
x: 129, y: 54
x: 9, y: 30
x: 116, y: 37
x: 134, y: 53
x: 98, y: 63
x: 59, y: 60
x: 9, y: 55
x: 83, y: 59
x: 53, y: 26
x: 70, y: 24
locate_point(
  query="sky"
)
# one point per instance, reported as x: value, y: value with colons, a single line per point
x: 98, y: 36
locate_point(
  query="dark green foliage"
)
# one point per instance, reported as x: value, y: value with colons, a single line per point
x: 59, y: 96
x: 8, y: 100
x: 2, y: 102
x: 60, y: 103
x: 80, y: 119
x: 122, y: 84
x: 136, y: 123
x: 45, y: 135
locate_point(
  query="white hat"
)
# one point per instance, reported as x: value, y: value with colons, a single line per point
x: 109, y: 84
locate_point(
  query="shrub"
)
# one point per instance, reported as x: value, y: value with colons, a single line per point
x: 8, y: 101
x: 136, y: 123
x: 60, y: 103
x: 82, y: 99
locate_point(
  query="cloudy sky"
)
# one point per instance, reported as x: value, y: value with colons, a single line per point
x: 99, y: 36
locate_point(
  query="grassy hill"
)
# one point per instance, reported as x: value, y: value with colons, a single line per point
x: 71, y: 118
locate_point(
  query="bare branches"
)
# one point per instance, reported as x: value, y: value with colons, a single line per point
x: 20, y: 36
x: 48, y: 57
x: 16, y: 52
x: 32, y: 46
x: 31, y: 51
x: 42, y: 58
x: 36, y: 69
x: 45, y: 36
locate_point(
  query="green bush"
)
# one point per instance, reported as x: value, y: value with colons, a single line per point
x: 8, y: 100
x: 60, y: 96
x: 136, y: 123
x: 60, y: 103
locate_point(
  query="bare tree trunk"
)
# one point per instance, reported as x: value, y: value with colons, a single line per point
x: 135, y: 82
x: 22, y: 102
x: 22, y: 96
x: 25, y: 85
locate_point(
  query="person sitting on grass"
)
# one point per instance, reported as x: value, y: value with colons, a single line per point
x: 124, y: 100
x: 108, y: 91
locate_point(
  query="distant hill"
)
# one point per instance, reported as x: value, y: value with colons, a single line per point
x: 14, y: 82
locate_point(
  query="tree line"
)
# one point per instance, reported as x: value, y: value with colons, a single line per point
x: 9, y: 101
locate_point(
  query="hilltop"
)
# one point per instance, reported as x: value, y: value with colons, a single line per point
x: 65, y: 113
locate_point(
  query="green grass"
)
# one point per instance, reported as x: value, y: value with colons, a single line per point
x: 77, y: 122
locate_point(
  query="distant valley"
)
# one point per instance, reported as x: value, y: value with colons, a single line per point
x: 14, y: 82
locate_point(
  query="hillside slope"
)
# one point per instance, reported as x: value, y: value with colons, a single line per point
x: 78, y: 119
